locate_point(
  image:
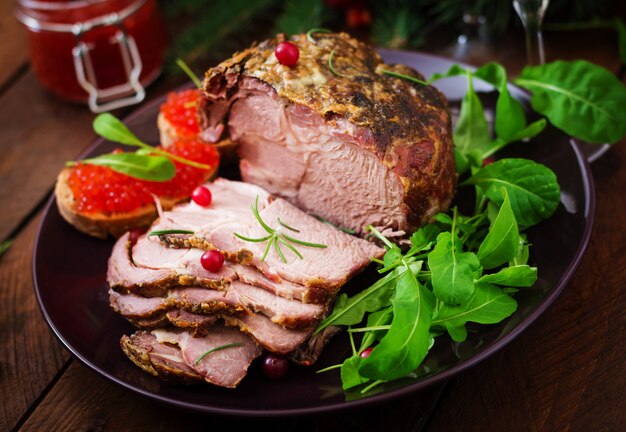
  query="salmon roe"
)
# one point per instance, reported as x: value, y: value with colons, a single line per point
x: 180, y: 110
x: 100, y: 189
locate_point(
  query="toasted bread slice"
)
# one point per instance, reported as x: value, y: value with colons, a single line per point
x: 168, y: 136
x: 101, y: 224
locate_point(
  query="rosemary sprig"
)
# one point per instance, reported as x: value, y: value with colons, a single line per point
x: 330, y: 64
x: 219, y: 348
x: 309, y: 34
x: 327, y: 222
x: 166, y: 232
x: 181, y: 64
x: 406, y: 77
x: 275, y: 238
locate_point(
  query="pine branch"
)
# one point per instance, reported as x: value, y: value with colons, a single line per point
x: 216, y: 27
x: 299, y: 16
x: 397, y: 24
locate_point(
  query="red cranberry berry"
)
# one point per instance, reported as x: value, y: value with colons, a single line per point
x: 366, y: 352
x: 274, y: 366
x: 287, y: 53
x: 135, y: 233
x: 212, y: 261
x: 488, y: 161
x: 202, y: 196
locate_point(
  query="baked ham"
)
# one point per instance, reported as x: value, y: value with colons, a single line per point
x: 355, y: 146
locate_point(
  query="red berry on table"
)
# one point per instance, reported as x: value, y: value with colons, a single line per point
x: 202, y: 196
x: 275, y: 366
x: 212, y: 261
x: 366, y: 352
x: 287, y: 53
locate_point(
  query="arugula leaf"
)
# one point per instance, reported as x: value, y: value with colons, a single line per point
x: 108, y: 126
x: 348, y: 311
x: 488, y: 305
x: 523, y: 252
x: 452, y: 270
x: 378, y: 318
x: 500, y: 244
x: 515, y: 276
x: 454, y: 70
x: 471, y: 135
x: 144, y: 167
x: 531, y: 187
x: 582, y: 99
x: 510, y: 117
x: 423, y: 238
x: 350, y: 376
x: 407, y: 341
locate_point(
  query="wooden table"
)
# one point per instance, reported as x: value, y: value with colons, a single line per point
x: 566, y: 372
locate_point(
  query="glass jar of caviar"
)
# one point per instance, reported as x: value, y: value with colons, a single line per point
x: 102, y: 52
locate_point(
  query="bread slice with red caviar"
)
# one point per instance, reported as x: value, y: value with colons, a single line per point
x: 102, y: 203
x: 178, y: 121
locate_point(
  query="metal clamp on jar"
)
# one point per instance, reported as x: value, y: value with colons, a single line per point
x: 114, y: 48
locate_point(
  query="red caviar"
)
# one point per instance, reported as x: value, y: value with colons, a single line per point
x: 181, y: 111
x: 100, y: 189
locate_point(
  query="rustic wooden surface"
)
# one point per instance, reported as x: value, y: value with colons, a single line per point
x: 566, y: 372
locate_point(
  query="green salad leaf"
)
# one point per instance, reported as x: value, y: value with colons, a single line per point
x: 584, y: 100
x: 407, y: 342
x: 531, y: 187
x: 452, y: 269
x: 488, y: 305
x: 144, y: 167
x: 500, y: 244
x: 514, y: 276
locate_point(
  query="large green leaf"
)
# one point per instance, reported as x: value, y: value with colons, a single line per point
x: 407, y: 342
x: 501, y: 243
x: 510, y: 117
x: 531, y: 187
x: 515, y: 276
x: 471, y: 135
x: 452, y: 270
x: 584, y: 100
x: 488, y: 305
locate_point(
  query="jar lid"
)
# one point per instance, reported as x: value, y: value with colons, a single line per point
x: 24, y: 13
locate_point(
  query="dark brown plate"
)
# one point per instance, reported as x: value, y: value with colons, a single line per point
x: 69, y: 277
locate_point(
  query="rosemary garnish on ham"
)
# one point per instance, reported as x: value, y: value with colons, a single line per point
x: 219, y: 348
x: 275, y: 237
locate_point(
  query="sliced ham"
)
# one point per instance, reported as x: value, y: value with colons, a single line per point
x: 158, y: 359
x: 224, y: 367
x: 239, y: 297
x: 323, y: 268
x: 173, y: 354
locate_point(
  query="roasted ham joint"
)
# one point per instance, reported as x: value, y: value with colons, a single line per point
x: 318, y: 148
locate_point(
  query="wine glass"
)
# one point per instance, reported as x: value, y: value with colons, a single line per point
x: 531, y: 13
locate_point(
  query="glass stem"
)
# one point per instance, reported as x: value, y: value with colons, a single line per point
x: 534, y: 45
x: 531, y: 13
